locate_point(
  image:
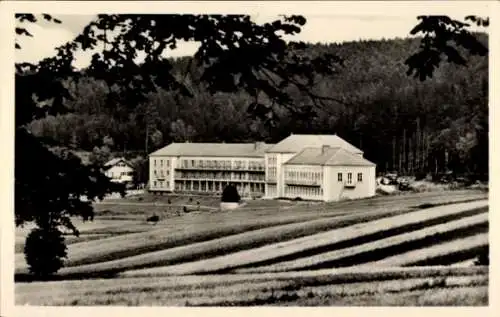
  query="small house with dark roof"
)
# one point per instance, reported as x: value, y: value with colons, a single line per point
x: 119, y: 170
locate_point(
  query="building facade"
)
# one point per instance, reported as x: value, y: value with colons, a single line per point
x: 318, y: 167
x: 208, y: 168
x: 119, y: 170
x: 312, y: 167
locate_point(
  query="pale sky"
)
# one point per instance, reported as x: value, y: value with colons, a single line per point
x: 319, y: 28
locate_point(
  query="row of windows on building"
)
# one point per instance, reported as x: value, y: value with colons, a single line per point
x: 213, y: 186
x: 220, y: 175
x: 304, y: 175
x: 226, y: 164
x: 349, y: 177
x: 161, y: 173
x: 161, y: 163
x: 297, y: 191
x: 271, y: 173
x: 161, y: 184
x: 271, y: 161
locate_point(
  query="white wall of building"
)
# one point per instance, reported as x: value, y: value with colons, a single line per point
x: 162, y: 168
x: 337, y: 190
x: 119, y: 172
x: 304, y: 181
x: 161, y: 173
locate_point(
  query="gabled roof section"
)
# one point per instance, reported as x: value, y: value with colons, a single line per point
x: 115, y: 161
x: 296, y: 142
x: 214, y: 149
x: 328, y: 157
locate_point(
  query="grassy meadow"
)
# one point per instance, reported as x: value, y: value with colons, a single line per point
x: 386, y: 250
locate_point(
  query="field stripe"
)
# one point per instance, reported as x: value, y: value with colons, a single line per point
x: 316, y: 277
x: 268, y: 252
x: 324, y: 258
x: 444, y: 249
x: 249, y: 293
x: 224, y: 245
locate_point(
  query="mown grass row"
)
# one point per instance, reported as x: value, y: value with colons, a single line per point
x: 347, y: 236
x: 174, y: 235
x: 448, y: 252
x: 246, y: 291
x: 220, y: 246
x: 378, y: 249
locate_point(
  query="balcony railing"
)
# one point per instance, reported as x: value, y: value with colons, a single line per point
x: 305, y: 182
x: 215, y: 179
x: 225, y: 168
x: 350, y: 184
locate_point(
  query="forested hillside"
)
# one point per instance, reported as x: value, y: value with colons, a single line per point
x: 400, y: 122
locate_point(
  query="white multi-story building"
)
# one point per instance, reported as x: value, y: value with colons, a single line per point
x: 208, y: 167
x: 313, y: 167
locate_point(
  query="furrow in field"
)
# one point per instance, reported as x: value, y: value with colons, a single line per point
x: 248, y: 293
x: 455, y: 251
x: 233, y: 243
x: 291, y: 293
x: 379, y: 248
x: 300, y: 279
x: 268, y: 252
x: 126, y: 245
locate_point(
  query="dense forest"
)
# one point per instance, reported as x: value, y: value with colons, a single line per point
x: 401, y: 123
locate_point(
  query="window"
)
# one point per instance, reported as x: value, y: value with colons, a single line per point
x: 161, y: 162
x: 360, y: 177
x: 154, y: 162
x: 349, y: 178
x: 154, y: 184
x: 339, y: 177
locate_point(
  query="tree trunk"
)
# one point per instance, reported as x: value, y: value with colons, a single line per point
x: 410, y: 157
x: 417, y: 146
x: 393, y: 153
x: 146, y: 142
x: 405, y: 159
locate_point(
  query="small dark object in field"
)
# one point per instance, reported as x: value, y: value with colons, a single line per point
x: 197, y: 202
x: 153, y: 219
x: 185, y: 209
x: 169, y: 202
x: 297, y: 199
x: 190, y: 199
x: 140, y: 198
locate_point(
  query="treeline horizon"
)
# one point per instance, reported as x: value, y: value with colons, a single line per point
x: 400, y: 123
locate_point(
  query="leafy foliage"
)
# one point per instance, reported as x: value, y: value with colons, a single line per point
x: 230, y: 195
x: 45, y: 251
x: 443, y: 36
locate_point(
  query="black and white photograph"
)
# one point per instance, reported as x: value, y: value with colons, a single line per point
x: 322, y: 154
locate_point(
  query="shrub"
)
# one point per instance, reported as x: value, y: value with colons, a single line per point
x: 230, y: 195
x: 45, y: 251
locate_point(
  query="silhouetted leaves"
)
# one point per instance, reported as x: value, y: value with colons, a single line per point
x: 443, y: 36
